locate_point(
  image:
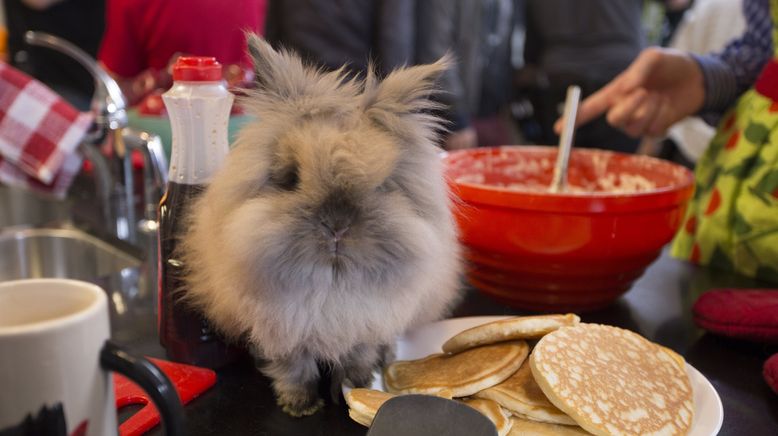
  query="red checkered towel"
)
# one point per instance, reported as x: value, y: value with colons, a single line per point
x: 39, y: 133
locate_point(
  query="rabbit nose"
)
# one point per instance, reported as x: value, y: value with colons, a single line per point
x: 336, y: 215
x: 335, y: 232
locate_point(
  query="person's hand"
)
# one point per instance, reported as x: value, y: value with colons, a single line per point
x: 661, y: 87
x: 461, y: 139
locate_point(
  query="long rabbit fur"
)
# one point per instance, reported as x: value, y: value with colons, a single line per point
x: 329, y: 230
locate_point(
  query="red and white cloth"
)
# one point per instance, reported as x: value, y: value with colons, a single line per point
x: 39, y: 133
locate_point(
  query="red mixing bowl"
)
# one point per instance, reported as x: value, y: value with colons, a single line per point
x: 577, y: 250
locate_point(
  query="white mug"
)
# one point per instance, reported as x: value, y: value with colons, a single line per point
x: 55, y: 359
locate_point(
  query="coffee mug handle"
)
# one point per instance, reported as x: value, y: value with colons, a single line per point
x: 151, y: 379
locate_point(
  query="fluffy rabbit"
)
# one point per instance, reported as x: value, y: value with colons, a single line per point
x: 328, y: 231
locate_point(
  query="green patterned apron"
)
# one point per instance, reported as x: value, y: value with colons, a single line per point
x: 732, y: 221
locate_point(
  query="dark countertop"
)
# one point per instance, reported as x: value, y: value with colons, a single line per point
x: 658, y: 307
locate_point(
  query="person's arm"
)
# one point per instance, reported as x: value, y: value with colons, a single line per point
x: 659, y: 88
x: 663, y: 86
x: 729, y: 73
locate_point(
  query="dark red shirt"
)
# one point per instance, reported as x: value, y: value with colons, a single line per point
x: 141, y: 34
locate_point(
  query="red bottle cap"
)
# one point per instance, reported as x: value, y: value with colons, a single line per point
x: 197, y: 69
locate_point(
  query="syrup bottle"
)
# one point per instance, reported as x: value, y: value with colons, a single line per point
x: 198, y: 105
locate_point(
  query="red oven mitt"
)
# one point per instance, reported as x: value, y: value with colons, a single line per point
x: 750, y: 314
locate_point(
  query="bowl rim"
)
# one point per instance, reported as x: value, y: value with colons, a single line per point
x: 590, y: 202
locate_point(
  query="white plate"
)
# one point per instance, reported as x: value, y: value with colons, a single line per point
x: 421, y: 342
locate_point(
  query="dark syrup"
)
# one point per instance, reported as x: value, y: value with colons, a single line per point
x: 183, y: 331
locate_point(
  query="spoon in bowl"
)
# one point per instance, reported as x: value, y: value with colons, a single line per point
x: 559, y: 182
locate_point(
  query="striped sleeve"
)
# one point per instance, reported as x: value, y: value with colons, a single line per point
x: 731, y: 72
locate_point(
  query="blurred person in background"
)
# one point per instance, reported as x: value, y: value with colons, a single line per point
x: 478, y: 88
x: 732, y: 221
x: 144, y: 37
x: 331, y: 33
x: 585, y: 43
x: 395, y: 33
x: 79, y: 21
x: 708, y: 26
x: 661, y: 19
x: 675, y: 10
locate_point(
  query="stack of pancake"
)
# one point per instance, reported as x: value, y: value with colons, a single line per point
x: 549, y: 374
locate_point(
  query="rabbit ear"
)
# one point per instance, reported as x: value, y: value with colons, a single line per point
x: 275, y: 71
x: 263, y: 56
x: 404, y: 91
x: 283, y: 78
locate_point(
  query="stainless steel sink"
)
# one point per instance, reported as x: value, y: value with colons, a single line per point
x: 71, y: 253
x: 41, y: 236
x: 49, y: 252
x: 19, y: 207
x: 45, y: 237
x: 93, y: 234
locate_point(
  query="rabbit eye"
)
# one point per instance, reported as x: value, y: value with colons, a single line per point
x: 287, y: 179
x: 388, y: 186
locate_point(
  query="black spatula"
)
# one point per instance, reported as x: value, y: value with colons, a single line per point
x: 424, y: 415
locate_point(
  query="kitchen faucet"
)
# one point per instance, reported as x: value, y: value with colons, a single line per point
x: 109, y: 144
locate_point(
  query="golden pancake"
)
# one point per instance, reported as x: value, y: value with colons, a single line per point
x: 523, y: 327
x: 521, y: 395
x: 613, y: 381
x: 463, y: 374
x: 364, y: 403
x: 677, y: 357
x: 523, y: 427
x: 499, y: 416
x: 445, y: 393
x: 360, y: 418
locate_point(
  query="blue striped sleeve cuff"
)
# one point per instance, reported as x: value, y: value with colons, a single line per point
x: 720, y: 83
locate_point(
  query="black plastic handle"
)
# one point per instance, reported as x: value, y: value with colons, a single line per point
x: 151, y: 379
